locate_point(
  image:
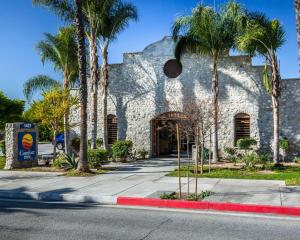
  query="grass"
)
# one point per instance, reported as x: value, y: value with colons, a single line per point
x: 2, y: 163
x: 290, y: 174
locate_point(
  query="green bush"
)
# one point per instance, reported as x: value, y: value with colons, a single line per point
x: 168, y: 196
x: 2, y: 147
x: 142, y: 153
x: 99, y: 142
x: 121, y: 150
x: 252, y: 159
x: 66, y: 161
x: 201, y: 196
x: 246, y: 143
x: 284, y: 144
x: 97, y: 157
x: 297, y: 159
x: 45, y: 132
x: 2, y: 162
x: 230, y: 151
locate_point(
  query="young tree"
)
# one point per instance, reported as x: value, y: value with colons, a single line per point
x: 262, y: 36
x: 10, y: 110
x: 60, y: 50
x: 115, y: 18
x: 212, y: 33
x: 52, y: 107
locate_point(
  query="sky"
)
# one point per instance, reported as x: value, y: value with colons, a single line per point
x: 23, y: 25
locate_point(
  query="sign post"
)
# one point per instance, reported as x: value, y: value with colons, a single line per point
x: 21, y: 145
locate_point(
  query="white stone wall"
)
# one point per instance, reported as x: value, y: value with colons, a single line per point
x: 139, y: 90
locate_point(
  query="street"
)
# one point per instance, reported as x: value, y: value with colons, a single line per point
x: 39, y: 220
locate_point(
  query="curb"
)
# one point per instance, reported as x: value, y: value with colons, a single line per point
x: 230, y: 207
x: 71, y: 198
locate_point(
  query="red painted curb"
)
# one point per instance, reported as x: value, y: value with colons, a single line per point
x: 232, y: 207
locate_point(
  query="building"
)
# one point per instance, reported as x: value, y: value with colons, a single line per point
x: 141, y: 86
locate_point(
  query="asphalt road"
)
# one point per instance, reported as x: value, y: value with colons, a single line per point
x: 32, y: 220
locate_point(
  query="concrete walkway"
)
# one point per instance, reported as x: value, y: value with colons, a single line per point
x: 140, y: 179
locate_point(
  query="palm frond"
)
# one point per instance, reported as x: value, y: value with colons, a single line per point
x: 63, y: 8
x: 38, y: 83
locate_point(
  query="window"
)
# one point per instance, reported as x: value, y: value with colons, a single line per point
x: 242, y: 126
x: 172, y: 68
x: 112, y: 129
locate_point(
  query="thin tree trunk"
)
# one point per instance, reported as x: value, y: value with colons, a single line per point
x: 196, y: 163
x: 188, y: 170
x: 104, y: 95
x: 66, y: 133
x: 179, y: 161
x: 66, y: 120
x: 54, y: 144
x: 297, y: 7
x: 275, y: 103
x: 94, y: 72
x: 215, y: 91
x: 83, y: 161
x: 209, y: 155
x: 202, y: 155
x: 276, y: 91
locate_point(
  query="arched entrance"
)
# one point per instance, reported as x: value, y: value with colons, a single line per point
x: 164, y: 140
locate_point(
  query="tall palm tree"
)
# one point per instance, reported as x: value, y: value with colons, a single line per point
x: 115, y: 18
x: 297, y: 7
x: 60, y: 50
x: 211, y: 33
x: 262, y: 36
x: 83, y: 161
x: 71, y: 10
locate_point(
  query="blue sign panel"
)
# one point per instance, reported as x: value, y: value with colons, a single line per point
x: 27, y: 126
x: 26, y: 146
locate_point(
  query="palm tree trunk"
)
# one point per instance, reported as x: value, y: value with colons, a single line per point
x: 54, y: 144
x: 276, y: 92
x: 215, y: 91
x: 196, y: 162
x: 83, y: 161
x: 297, y: 7
x: 66, y: 119
x: 94, y: 67
x: 104, y: 95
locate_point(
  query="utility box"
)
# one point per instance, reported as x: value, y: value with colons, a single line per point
x: 21, y: 145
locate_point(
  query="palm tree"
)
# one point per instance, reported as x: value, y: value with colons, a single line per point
x: 262, y: 36
x: 93, y: 11
x: 72, y: 11
x: 115, y: 18
x: 83, y: 161
x: 211, y: 33
x: 297, y: 7
x: 60, y: 50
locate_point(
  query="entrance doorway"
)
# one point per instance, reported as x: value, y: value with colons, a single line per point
x: 164, y: 140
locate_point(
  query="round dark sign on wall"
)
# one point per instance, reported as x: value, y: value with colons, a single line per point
x: 172, y: 68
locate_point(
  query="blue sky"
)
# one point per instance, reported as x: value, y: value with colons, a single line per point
x: 23, y: 25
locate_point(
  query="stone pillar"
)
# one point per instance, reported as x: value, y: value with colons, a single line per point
x: 21, y: 145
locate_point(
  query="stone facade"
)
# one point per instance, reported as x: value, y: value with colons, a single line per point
x: 139, y: 90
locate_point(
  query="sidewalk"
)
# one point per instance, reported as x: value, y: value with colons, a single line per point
x: 140, y: 179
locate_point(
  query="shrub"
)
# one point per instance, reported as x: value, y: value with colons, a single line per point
x: 142, y: 153
x: 297, y: 159
x: 2, y: 162
x: 230, y: 151
x: 168, y: 196
x: 284, y: 144
x: 2, y: 147
x: 66, y: 161
x: 201, y: 196
x: 252, y: 159
x: 97, y: 157
x: 246, y: 143
x: 45, y: 132
x: 122, y: 149
x: 99, y: 142
x: 231, y: 154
